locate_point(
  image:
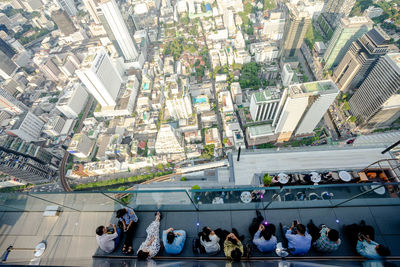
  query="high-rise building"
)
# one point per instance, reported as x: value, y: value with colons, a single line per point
x: 81, y: 146
x: 360, y: 58
x: 50, y: 69
x: 332, y: 12
x: 28, y: 127
x: 25, y: 160
x: 168, y: 141
x: 91, y: 7
x: 177, y: 99
x: 287, y: 74
x: 6, y: 49
x: 63, y: 21
x: 295, y: 30
x: 100, y: 77
x: 348, y: 30
x: 54, y: 127
x: 116, y: 27
x: 387, y: 114
x: 274, y: 27
x: 264, y: 104
x: 382, y: 82
x: 304, y: 107
x: 9, y: 103
x: 73, y: 100
x: 7, y: 67
x: 68, y: 6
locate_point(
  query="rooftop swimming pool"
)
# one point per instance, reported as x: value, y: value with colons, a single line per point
x: 198, y: 100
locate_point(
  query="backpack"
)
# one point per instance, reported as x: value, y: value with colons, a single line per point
x: 197, y: 247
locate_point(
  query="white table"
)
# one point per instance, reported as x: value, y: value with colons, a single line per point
x: 380, y: 190
x: 245, y: 197
x: 315, y: 177
x: 283, y: 178
x: 345, y: 176
x: 218, y: 200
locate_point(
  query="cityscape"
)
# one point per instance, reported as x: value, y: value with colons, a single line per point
x: 200, y: 106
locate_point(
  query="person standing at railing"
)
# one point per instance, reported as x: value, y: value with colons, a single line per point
x: 151, y: 246
x: 128, y: 223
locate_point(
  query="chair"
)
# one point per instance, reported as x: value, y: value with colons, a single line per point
x: 363, y: 177
x: 301, y: 196
x: 326, y: 195
x: 313, y: 196
x: 296, y: 178
x: 276, y: 197
x: 289, y: 197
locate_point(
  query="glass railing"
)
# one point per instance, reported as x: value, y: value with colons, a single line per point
x: 287, y: 197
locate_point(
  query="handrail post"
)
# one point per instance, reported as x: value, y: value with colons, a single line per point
x: 358, y: 195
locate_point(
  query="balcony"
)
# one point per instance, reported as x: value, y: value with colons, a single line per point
x: 71, y: 240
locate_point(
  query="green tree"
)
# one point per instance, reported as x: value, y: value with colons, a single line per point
x: 249, y: 76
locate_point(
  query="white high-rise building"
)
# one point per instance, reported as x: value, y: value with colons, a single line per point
x: 100, y: 77
x: 264, y: 104
x: 73, y: 100
x: 117, y: 25
x: 28, y: 127
x: 168, y: 141
x: 177, y: 99
x: 287, y: 75
x: 68, y: 6
x: 304, y: 107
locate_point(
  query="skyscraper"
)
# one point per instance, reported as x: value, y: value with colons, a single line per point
x: 304, y: 107
x: 91, y: 6
x: 360, y: 58
x: 117, y: 29
x: 264, y: 104
x: 349, y: 30
x: 6, y: 49
x: 382, y: 83
x: 7, y: 67
x: 100, y: 77
x: 68, y: 6
x: 332, y: 12
x: 295, y: 30
x: 63, y: 21
x: 28, y: 127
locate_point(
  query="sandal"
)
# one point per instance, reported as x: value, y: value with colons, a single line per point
x: 130, y: 250
x: 124, y: 249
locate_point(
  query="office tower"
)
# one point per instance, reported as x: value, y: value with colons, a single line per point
x: 382, y: 82
x: 55, y: 126
x: 304, y: 107
x: 348, y: 30
x: 6, y: 49
x: 68, y: 6
x: 117, y: 29
x: 81, y: 146
x: 264, y: 51
x: 28, y: 127
x: 274, y: 27
x: 25, y: 160
x: 264, y: 104
x: 72, y: 100
x: 387, y: 114
x: 100, y: 77
x: 333, y: 11
x: 295, y: 30
x: 287, y: 75
x: 168, y: 141
x: 360, y: 58
x: 64, y: 22
x: 9, y: 103
x: 91, y: 7
x: 7, y: 67
x: 50, y: 69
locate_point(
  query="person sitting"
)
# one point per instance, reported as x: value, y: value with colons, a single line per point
x: 233, y: 248
x: 299, y: 241
x: 151, y: 246
x: 263, y: 235
x: 370, y: 249
x: 209, y: 240
x: 324, y: 239
x: 173, y: 240
x: 108, y: 239
x: 128, y: 221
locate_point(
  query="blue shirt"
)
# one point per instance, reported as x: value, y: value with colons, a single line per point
x: 176, y: 246
x: 264, y: 245
x: 129, y: 216
x: 300, y: 243
x: 367, y: 250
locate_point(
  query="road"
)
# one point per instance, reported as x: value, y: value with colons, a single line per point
x: 64, y: 161
x: 219, y: 119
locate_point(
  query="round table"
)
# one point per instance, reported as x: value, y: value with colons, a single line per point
x: 283, y: 178
x: 315, y: 177
x: 345, y: 176
x: 245, y: 197
x: 380, y: 190
x: 218, y: 200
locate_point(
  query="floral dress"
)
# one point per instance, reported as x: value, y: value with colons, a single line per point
x: 153, y: 230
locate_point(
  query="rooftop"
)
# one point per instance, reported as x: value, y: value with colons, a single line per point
x: 395, y: 57
x: 261, y: 130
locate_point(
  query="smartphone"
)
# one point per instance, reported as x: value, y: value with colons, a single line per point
x: 294, y: 223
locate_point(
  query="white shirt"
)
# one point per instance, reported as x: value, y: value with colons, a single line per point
x: 212, y: 246
x: 106, y: 241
